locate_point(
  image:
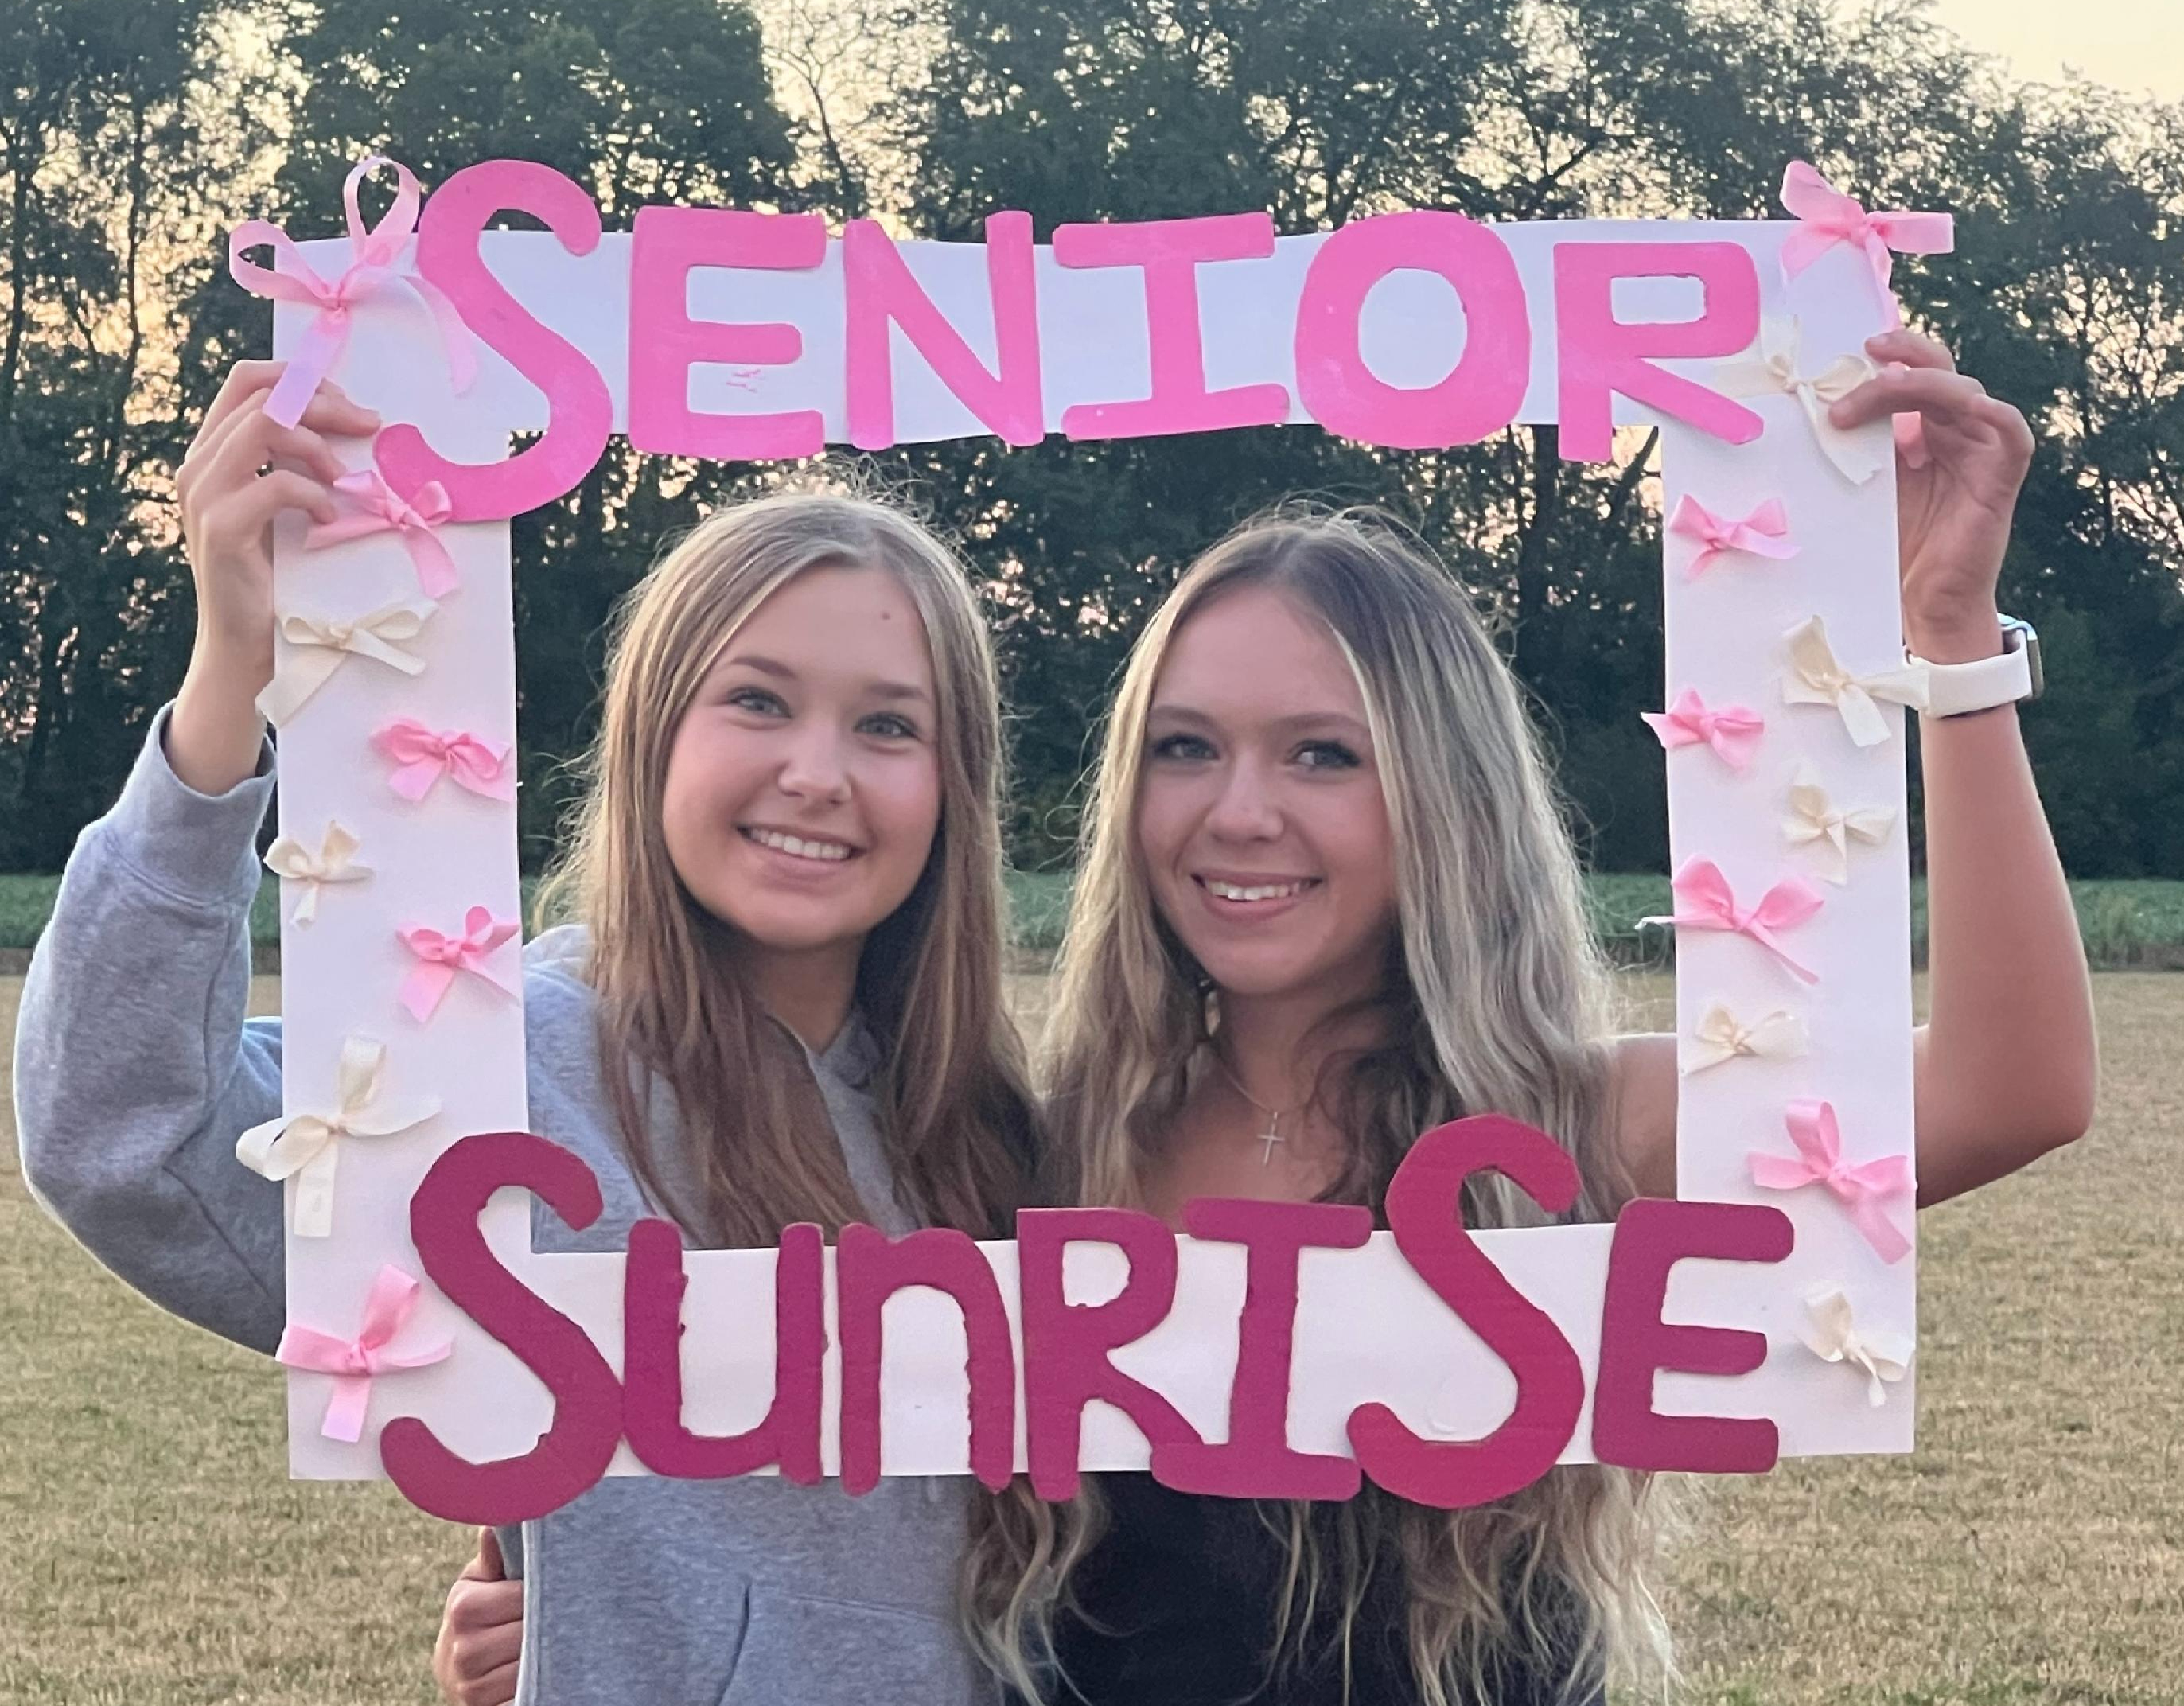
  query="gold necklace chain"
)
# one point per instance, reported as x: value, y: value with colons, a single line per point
x: 1273, y: 1135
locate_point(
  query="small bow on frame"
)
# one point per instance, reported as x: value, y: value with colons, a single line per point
x: 321, y: 646
x: 1862, y: 1187
x: 422, y: 755
x: 308, y: 1144
x: 1827, y: 217
x: 440, y: 956
x: 375, y: 256
x: 1832, y: 1335
x: 1773, y: 367
x: 1815, y: 821
x: 1705, y: 902
x: 1765, y: 532
x: 353, y: 1362
x: 1731, y: 732
x: 1815, y: 677
x: 373, y: 508
x: 336, y: 861
x: 1721, y: 1037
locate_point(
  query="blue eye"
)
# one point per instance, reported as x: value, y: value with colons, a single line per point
x: 1326, y: 754
x: 889, y: 727
x: 759, y: 699
x: 1182, y: 746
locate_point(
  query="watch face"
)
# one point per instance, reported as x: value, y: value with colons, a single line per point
x: 2020, y: 635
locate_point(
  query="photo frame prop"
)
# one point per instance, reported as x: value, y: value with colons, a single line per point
x: 1274, y: 1349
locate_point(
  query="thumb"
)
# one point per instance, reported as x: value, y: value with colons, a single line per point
x: 487, y: 1566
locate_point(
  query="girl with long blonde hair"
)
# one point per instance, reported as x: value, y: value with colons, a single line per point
x: 1327, y: 902
x: 779, y: 1000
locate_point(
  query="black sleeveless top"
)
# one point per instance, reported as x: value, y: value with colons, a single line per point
x: 1176, y: 1608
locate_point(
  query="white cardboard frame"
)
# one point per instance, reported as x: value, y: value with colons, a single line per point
x: 1367, y: 1327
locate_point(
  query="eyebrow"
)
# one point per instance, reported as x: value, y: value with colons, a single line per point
x: 895, y: 690
x: 1297, y: 722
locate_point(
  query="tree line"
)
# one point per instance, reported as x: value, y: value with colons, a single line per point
x: 132, y: 135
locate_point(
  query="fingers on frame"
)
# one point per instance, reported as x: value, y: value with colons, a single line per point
x: 241, y: 401
x: 1938, y: 395
x: 1912, y: 350
x: 258, y: 503
x: 253, y: 441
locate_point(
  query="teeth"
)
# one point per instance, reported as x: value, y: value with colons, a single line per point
x: 798, y: 845
x: 1273, y: 891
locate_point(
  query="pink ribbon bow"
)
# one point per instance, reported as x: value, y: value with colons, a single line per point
x: 1732, y: 731
x: 375, y: 508
x: 439, y: 957
x: 1819, y: 1161
x: 1705, y: 903
x: 353, y: 1362
x: 421, y: 757
x: 1829, y: 217
x: 374, y: 253
x: 1765, y: 532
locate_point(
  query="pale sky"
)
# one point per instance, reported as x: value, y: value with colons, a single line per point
x: 2136, y: 45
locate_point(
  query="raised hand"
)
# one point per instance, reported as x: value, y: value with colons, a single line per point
x: 1953, y: 509
x: 242, y: 472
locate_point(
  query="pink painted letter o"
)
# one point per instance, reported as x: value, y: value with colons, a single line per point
x: 1480, y: 395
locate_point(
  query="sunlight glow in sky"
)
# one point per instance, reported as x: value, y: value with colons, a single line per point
x: 2136, y: 45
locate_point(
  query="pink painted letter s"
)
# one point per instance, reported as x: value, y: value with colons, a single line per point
x: 580, y: 413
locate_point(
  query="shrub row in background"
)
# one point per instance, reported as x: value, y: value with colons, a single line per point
x: 2126, y: 923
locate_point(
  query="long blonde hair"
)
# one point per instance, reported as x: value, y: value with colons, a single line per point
x: 954, y: 1113
x: 1497, y: 1000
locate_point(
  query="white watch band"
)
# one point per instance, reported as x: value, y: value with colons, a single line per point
x: 1953, y: 689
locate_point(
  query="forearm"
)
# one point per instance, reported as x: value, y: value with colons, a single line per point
x: 2009, y: 1062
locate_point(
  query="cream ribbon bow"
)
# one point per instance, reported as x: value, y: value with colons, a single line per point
x: 307, y: 1144
x: 1833, y: 1337
x: 1774, y: 366
x: 1814, y: 820
x: 335, y: 861
x: 1720, y: 1036
x: 318, y: 648
x: 1814, y: 677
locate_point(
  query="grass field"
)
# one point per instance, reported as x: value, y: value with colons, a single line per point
x: 2031, y: 1551
x: 2126, y: 924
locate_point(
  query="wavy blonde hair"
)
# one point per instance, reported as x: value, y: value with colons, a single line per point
x: 1497, y: 999
x: 955, y: 1111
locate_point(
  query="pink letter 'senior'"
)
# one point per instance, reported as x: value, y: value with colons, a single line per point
x: 580, y: 412
x: 1598, y: 355
x: 665, y: 341
x: 881, y: 294
x: 1479, y: 396
x: 1169, y: 251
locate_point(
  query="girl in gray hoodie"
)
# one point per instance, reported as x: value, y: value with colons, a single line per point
x: 792, y: 800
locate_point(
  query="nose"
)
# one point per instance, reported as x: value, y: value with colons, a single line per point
x: 813, y: 768
x: 1245, y: 809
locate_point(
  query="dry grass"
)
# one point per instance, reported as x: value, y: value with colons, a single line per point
x: 2032, y: 1551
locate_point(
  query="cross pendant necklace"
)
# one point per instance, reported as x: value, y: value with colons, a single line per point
x: 1273, y: 1135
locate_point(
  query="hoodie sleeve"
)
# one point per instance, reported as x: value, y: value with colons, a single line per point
x: 135, y: 1069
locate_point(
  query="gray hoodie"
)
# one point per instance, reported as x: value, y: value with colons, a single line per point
x: 136, y: 1071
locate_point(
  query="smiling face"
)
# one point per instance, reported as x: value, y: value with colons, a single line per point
x: 803, y: 786
x: 1260, y: 817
